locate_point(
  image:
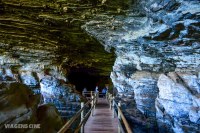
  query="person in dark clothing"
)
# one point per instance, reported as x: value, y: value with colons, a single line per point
x: 104, y: 91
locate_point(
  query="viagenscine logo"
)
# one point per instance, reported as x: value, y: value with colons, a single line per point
x: 20, y: 126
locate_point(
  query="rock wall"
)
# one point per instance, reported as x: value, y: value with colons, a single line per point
x: 156, y: 43
x: 158, y: 60
x: 64, y: 96
x: 41, y: 41
x: 46, y: 36
x: 48, y: 89
x: 178, y: 101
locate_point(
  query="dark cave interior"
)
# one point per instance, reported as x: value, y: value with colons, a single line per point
x: 83, y: 78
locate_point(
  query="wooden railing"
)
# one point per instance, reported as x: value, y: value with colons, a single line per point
x: 93, y: 100
x: 79, y: 114
x: 121, y: 118
x: 88, y: 94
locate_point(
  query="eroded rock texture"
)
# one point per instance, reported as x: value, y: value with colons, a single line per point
x: 158, y: 60
x: 156, y: 71
x: 40, y: 36
x: 42, y: 90
x: 42, y: 40
x: 63, y: 96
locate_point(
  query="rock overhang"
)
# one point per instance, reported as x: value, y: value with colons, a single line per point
x: 48, y: 34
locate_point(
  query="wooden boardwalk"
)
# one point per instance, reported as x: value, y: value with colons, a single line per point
x: 102, y: 120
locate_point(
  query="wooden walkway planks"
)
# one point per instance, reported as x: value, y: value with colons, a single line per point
x: 101, y: 121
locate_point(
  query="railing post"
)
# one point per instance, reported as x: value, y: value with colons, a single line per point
x: 91, y: 94
x: 110, y: 101
x: 92, y: 105
x: 119, y: 117
x: 97, y: 96
x: 113, y: 107
x: 107, y: 96
x: 95, y: 100
x: 82, y: 117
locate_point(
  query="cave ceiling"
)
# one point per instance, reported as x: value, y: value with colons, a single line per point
x: 49, y: 32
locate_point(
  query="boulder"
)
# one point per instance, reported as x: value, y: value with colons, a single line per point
x: 17, y: 104
x: 49, y: 119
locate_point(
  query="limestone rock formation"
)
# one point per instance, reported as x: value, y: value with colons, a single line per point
x: 177, y: 105
x: 156, y: 43
x: 63, y: 96
x: 41, y: 41
x: 46, y: 35
x: 152, y: 39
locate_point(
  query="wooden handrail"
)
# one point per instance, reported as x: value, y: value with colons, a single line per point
x: 120, y: 113
x: 84, y: 120
x: 128, y: 129
x: 91, y: 92
x: 75, y: 117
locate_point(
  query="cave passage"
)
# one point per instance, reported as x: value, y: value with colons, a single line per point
x: 83, y: 78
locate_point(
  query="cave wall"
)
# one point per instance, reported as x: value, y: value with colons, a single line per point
x: 45, y: 37
x: 40, y: 42
x: 156, y: 71
x: 158, y: 61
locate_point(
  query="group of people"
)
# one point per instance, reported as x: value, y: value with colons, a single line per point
x: 103, y: 91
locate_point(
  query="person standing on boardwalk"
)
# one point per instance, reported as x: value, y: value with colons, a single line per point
x: 104, y: 91
x: 84, y: 91
x: 96, y: 89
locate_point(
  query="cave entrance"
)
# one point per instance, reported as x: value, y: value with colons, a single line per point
x: 84, y: 78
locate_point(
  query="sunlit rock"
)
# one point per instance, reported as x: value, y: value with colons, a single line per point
x: 63, y: 96
x: 176, y: 103
x: 163, y: 39
x: 29, y: 78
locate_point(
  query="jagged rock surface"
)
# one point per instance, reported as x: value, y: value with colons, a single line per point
x: 46, y: 36
x: 177, y: 105
x: 63, y: 96
x: 155, y: 38
x: 41, y: 41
